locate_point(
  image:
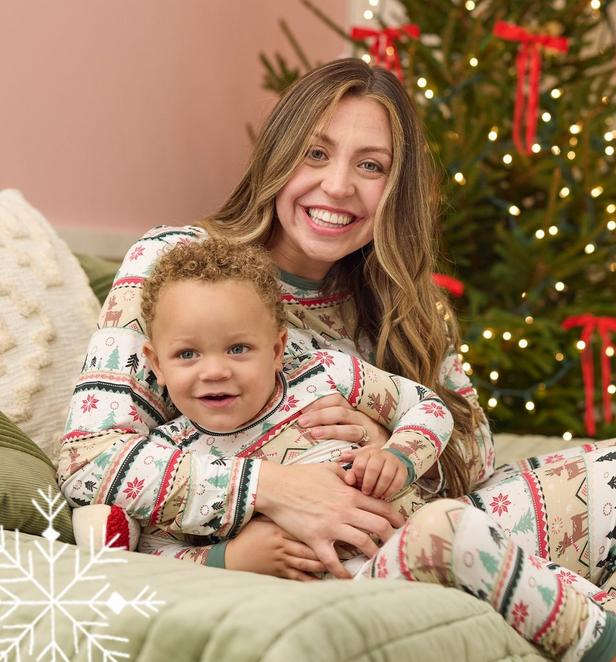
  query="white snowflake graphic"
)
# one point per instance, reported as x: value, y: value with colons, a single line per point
x: 55, y: 601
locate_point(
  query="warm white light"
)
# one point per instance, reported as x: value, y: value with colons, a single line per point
x: 368, y: 14
x: 506, y: 335
x: 573, y: 141
x: 559, y: 356
x: 589, y: 248
x: 555, y: 149
x: 559, y: 286
x: 564, y: 191
x: 366, y: 58
x: 611, y: 208
x: 422, y: 82
x: 473, y: 62
x: 523, y: 295
x: 609, y: 150
x: 523, y: 343
x: 608, y: 136
x: 464, y: 348
x: 529, y: 319
x: 596, y: 191
x: 536, y: 148
x: 514, y: 211
x: 470, y: 5
x: 553, y: 230
x: 611, y: 226
x: 374, y: 3
x: 492, y: 402
x: 611, y: 389
x: 540, y: 234
x: 429, y: 93
x: 466, y: 366
x: 609, y: 351
x: 493, y: 135
x: 507, y: 159
x: 494, y: 375
x: 580, y: 344
x: 555, y: 93
x: 567, y: 436
x: 488, y: 334
x: 546, y: 117
x: 595, y: 4
x: 571, y: 155
x: 530, y: 405
x: 575, y: 128
x: 459, y: 177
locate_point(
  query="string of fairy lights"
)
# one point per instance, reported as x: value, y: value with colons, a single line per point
x: 374, y: 11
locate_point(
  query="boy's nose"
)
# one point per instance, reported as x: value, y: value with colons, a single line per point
x: 214, y: 369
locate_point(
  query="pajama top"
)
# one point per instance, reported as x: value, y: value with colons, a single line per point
x: 119, y: 447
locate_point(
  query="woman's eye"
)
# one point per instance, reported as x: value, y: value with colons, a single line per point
x: 316, y: 154
x: 187, y: 354
x: 238, y: 349
x: 372, y: 166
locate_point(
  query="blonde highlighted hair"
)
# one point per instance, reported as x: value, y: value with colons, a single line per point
x: 400, y: 309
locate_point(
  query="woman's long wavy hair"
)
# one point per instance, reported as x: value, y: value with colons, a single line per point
x: 399, y: 308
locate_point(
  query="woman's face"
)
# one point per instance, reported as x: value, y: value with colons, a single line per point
x: 326, y: 210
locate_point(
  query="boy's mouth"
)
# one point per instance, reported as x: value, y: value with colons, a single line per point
x: 218, y: 400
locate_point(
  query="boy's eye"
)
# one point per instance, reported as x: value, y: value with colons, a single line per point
x: 238, y: 349
x: 187, y: 354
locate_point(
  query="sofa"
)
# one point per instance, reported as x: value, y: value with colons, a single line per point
x: 108, y: 604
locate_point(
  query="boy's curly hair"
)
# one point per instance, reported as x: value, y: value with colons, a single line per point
x: 212, y: 261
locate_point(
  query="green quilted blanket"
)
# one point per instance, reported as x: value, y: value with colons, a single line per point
x: 214, y: 615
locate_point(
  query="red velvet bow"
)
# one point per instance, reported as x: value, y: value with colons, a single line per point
x: 528, y: 57
x: 383, y: 49
x: 453, y: 285
x: 603, y: 325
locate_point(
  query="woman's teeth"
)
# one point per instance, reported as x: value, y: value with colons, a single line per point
x: 325, y: 218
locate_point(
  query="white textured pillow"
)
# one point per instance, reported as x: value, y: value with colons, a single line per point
x: 47, y: 314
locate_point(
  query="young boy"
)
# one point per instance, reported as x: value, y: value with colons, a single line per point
x: 216, y: 338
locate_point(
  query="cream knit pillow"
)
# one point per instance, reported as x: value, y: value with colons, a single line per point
x: 47, y: 314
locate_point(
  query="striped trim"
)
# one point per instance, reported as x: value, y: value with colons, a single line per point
x: 357, y: 383
x: 476, y: 500
x: 316, y: 302
x: 243, y: 495
x: 310, y: 372
x: 556, y: 610
x: 425, y: 432
x: 515, y: 575
x: 119, y: 474
x: 128, y: 281
x: 403, y: 554
x: 86, y: 434
x: 540, y: 514
x: 165, y: 484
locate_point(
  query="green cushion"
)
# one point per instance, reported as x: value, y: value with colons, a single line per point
x: 24, y: 469
x: 100, y: 273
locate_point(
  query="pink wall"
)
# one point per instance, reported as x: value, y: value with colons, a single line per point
x: 117, y: 115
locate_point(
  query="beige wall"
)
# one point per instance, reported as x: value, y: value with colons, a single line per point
x: 116, y: 115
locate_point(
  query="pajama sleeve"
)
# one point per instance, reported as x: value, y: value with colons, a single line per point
x: 420, y: 423
x: 114, y: 450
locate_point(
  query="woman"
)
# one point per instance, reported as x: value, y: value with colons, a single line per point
x: 341, y: 190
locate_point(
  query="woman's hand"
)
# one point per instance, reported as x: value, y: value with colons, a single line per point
x: 332, y: 417
x: 313, y: 504
x: 263, y: 547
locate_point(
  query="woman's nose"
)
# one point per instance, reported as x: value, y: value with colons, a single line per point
x: 337, y: 181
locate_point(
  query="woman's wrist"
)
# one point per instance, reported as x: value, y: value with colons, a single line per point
x: 270, y: 476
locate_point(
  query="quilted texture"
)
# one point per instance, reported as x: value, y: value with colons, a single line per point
x: 47, y: 313
x: 212, y: 615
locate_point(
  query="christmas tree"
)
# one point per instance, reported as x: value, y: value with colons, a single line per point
x: 518, y: 102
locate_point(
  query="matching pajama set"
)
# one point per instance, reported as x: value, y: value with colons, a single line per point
x: 535, y: 539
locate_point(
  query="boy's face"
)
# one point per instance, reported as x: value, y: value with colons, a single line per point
x: 216, y: 348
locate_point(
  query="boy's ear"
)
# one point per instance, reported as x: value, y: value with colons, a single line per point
x: 279, y: 347
x: 152, y: 357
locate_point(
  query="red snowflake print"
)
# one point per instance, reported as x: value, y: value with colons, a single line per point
x: 499, y: 504
x: 520, y: 612
x: 135, y: 414
x: 557, y: 457
x: 381, y: 567
x: 133, y: 489
x: 325, y: 358
x: 567, y: 577
x: 136, y: 253
x: 432, y: 408
x: 290, y: 403
x: 89, y: 403
x: 536, y: 562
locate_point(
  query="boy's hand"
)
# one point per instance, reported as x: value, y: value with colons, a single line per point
x: 375, y: 471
